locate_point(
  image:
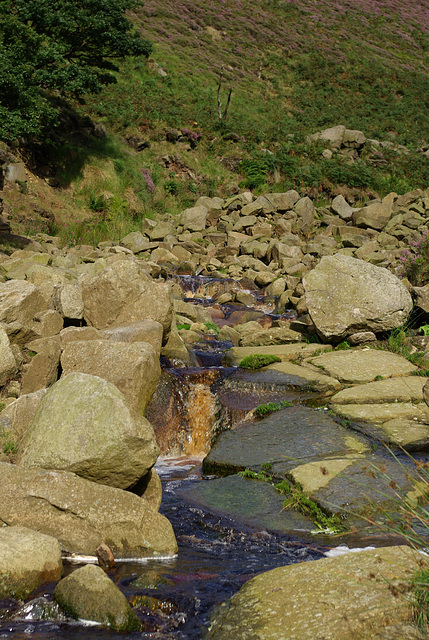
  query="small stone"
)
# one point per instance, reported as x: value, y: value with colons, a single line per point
x: 105, y: 556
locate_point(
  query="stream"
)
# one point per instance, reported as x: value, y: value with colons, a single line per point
x: 174, y: 598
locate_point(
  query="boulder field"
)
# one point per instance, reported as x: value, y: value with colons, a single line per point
x: 82, y: 331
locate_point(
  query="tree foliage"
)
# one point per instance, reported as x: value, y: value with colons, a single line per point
x: 61, y: 48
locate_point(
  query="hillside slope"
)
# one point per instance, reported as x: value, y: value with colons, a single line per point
x: 295, y: 67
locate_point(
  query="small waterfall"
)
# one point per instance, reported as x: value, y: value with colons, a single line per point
x: 205, y: 287
x: 183, y: 411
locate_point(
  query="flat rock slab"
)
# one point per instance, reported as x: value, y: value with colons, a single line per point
x: 253, y: 503
x: 282, y: 380
x: 356, y: 486
x: 397, y: 423
x: 342, y: 598
x: 284, y: 351
x: 313, y: 379
x: 362, y: 365
x: 380, y: 413
x: 407, y: 389
x: 285, y: 439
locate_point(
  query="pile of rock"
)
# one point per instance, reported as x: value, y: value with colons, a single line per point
x: 75, y: 397
x: 349, y: 143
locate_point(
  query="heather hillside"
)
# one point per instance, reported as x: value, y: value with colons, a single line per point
x: 295, y: 67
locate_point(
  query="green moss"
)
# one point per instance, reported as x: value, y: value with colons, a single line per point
x: 183, y: 326
x: 258, y: 360
x: 266, y: 409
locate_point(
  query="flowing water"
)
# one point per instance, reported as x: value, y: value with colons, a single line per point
x: 174, y: 598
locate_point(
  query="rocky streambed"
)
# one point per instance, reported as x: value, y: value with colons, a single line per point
x: 293, y: 453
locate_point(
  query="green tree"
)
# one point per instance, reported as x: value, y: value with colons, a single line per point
x: 61, y: 48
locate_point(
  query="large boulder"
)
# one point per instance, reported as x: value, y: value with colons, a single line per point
x: 132, y: 367
x: 122, y: 294
x: 375, y: 215
x: 345, y: 295
x: 194, y: 218
x: 352, y: 596
x: 81, y: 514
x: 28, y: 559
x: 89, y: 594
x: 84, y: 425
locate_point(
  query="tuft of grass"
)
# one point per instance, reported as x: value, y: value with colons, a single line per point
x: 399, y: 342
x: 325, y: 523
x: 7, y: 442
x: 343, y: 346
x: 258, y: 360
x: 183, y: 326
x: 420, y: 598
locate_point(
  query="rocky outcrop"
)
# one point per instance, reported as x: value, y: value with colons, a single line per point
x: 84, y: 425
x: 81, y: 514
x: 28, y: 559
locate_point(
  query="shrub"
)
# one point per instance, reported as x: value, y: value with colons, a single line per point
x: 415, y: 261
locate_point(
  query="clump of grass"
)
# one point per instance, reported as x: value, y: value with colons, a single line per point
x: 7, y: 442
x: 343, y: 346
x: 297, y: 499
x: 265, y: 409
x: 258, y: 360
x: 420, y: 598
x: 212, y: 327
x: 399, y: 342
